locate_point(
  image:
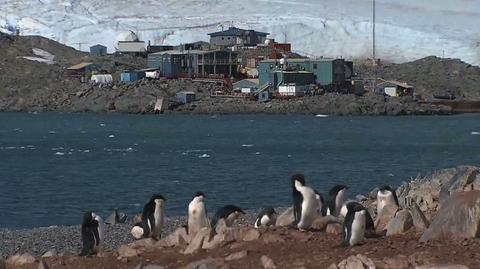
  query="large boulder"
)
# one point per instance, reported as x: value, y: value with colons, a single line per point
x: 387, y: 214
x: 401, y: 223
x: 321, y: 222
x: 459, y: 217
x: 177, y: 238
x: 286, y: 218
x: 430, y: 191
x: 197, y: 242
x: 420, y: 222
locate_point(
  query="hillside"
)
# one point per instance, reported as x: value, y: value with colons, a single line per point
x: 406, y: 30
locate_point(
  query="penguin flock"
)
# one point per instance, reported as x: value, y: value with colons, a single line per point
x: 308, y: 204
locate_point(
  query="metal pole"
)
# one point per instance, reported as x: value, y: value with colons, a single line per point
x: 374, y: 57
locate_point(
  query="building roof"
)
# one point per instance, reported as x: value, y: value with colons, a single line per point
x: 79, y: 66
x: 246, y: 82
x: 397, y: 83
x: 234, y: 31
x: 183, y: 52
x: 98, y: 45
x: 299, y: 60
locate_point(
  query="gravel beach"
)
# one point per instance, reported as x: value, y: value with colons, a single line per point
x: 67, y: 239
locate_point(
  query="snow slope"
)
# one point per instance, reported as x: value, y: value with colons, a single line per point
x: 406, y: 30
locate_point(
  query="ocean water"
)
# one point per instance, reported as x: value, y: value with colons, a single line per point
x: 55, y: 166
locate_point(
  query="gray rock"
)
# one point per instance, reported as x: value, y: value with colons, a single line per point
x: 286, y: 218
x: 251, y: 235
x: 267, y: 263
x: 334, y: 228
x: 321, y: 222
x: 177, y: 238
x: 237, y: 255
x: 459, y: 217
x: 208, y: 263
x: 387, y: 214
x: 436, y: 187
x: 420, y: 222
x: 451, y: 266
x: 50, y: 253
x: 197, y: 242
x: 367, y: 262
x: 42, y: 265
x: 153, y: 266
x: 401, y: 223
x: 19, y: 260
x: 116, y: 218
x: 126, y: 251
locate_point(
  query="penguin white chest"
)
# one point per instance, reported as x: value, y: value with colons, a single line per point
x: 159, y: 216
x: 197, y: 214
x: 309, y: 208
x: 383, y: 199
x: 358, y: 228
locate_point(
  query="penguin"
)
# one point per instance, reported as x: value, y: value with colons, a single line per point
x: 354, y: 225
x: 369, y: 224
x: 266, y: 217
x: 321, y: 203
x: 229, y: 213
x: 386, y: 196
x: 305, y: 203
x: 336, y: 199
x: 116, y: 218
x: 153, y: 217
x: 197, y: 214
x: 93, y: 231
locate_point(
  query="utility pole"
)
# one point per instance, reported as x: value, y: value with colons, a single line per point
x: 374, y: 56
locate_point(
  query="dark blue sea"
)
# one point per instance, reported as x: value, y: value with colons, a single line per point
x: 55, y: 166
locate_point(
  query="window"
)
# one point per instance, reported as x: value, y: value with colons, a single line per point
x: 223, y: 38
x: 229, y: 38
x: 314, y: 66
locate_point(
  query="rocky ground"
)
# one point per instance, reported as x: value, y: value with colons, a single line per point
x: 436, y: 226
x: 27, y: 85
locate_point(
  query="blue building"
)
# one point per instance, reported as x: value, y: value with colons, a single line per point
x: 185, y: 97
x: 98, y: 50
x: 328, y: 73
x: 198, y: 63
x: 129, y: 76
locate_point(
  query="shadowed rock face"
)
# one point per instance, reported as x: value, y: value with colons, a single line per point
x: 458, y: 218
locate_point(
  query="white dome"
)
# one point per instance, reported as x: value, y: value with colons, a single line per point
x: 267, y: 42
x: 127, y: 36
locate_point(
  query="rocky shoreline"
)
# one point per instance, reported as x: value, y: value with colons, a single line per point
x: 435, y: 225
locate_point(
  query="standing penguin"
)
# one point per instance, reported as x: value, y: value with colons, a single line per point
x: 321, y: 203
x: 266, y: 217
x: 336, y: 198
x: 386, y: 196
x: 305, y: 203
x: 369, y: 224
x: 229, y: 213
x: 197, y: 214
x: 354, y: 225
x: 153, y: 217
x: 93, y: 230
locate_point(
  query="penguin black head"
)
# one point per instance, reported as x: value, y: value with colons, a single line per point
x: 386, y: 188
x: 89, y: 218
x: 336, y: 189
x: 157, y: 197
x: 269, y: 211
x: 198, y: 194
x: 298, y: 177
x: 354, y: 207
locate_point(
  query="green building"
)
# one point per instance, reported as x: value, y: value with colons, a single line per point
x: 331, y: 74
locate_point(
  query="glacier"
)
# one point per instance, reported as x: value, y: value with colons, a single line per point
x: 405, y: 30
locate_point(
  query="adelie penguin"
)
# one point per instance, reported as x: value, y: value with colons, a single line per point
x: 93, y: 231
x: 229, y: 213
x: 386, y: 196
x: 321, y: 203
x: 197, y: 214
x: 369, y: 224
x: 266, y: 217
x: 305, y: 203
x: 354, y: 225
x: 153, y: 218
x: 336, y: 199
